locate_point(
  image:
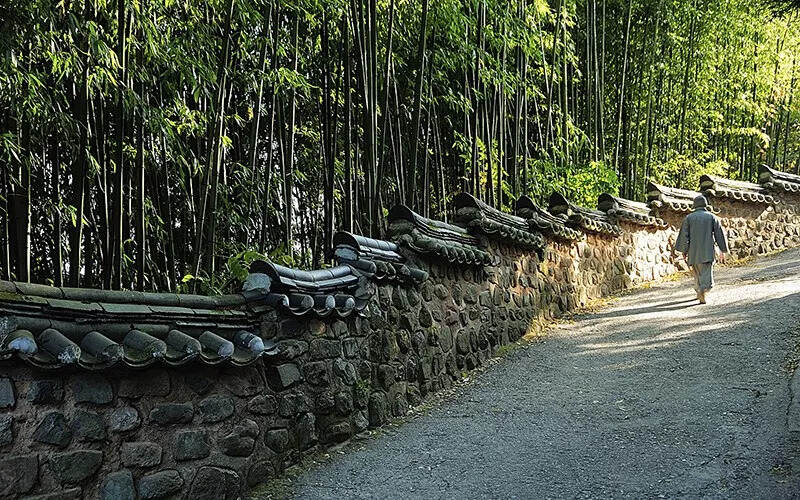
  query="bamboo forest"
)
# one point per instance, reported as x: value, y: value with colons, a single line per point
x: 161, y: 145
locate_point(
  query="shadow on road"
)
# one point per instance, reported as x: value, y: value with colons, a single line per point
x: 672, y: 322
x: 659, y: 307
x: 777, y: 270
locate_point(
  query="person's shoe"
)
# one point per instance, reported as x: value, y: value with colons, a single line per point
x: 701, y: 296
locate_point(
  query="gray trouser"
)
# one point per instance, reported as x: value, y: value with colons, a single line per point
x: 703, y: 276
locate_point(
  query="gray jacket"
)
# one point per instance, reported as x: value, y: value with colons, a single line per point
x: 699, y: 231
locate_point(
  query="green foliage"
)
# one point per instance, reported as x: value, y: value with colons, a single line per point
x: 280, y: 255
x: 239, y: 264
x: 197, y: 284
x: 585, y: 184
x: 581, y: 184
x: 363, y: 388
x: 684, y: 172
x: 532, y: 90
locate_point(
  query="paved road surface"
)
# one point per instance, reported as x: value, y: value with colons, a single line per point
x: 653, y: 397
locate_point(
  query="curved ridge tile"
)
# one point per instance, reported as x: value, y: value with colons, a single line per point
x: 540, y: 219
x: 377, y: 260
x: 431, y: 237
x: 775, y: 180
x: 715, y: 186
x: 99, y: 351
x: 215, y: 349
x: 628, y: 210
x: 55, y: 350
x: 673, y: 199
x: 298, y: 292
x: 142, y: 349
x: 368, y: 247
x: 54, y: 328
x: 181, y: 348
x: 476, y: 215
x: 19, y: 342
x: 592, y: 221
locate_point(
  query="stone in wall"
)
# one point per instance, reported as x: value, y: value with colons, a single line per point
x: 46, y: 391
x: 6, y: 430
x: 73, y: 467
x: 241, y: 441
x: 172, y: 413
x: 18, y: 474
x: 214, y: 483
x: 7, y: 394
x: 54, y: 430
x: 124, y: 418
x: 90, y: 388
x: 88, y: 426
x: 160, y: 484
x: 118, y: 486
x: 216, y: 408
x: 141, y: 454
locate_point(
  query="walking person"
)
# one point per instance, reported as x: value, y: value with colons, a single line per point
x: 699, y: 232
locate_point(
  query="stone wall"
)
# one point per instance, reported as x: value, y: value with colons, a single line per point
x: 209, y: 432
x: 759, y: 228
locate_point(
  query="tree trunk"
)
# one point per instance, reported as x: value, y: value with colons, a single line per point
x: 119, y: 182
x: 327, y: 142
x: 255, y: 168
x: 411, y: 195
x: 621, y: 103
x: 141, y: 230
x: 271, y: 135
x: 213, y: 159
x: 288, y: 161
x: 348, y: 108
